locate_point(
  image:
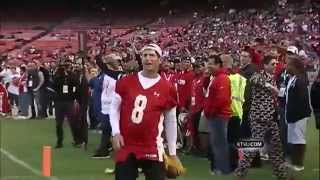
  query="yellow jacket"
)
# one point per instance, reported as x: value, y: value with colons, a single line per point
x: 238, y: 84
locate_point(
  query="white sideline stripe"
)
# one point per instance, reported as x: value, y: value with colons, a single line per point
x: 23, y: 164
x: 18, y: 177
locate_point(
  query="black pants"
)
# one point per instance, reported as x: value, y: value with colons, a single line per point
x: 78, y: 123
x: 233, y: 138
x: 83, y: 124
x: 196, y: 119
x: 33, y: 108
x: 283, y: 131
x: 106, y: 134
x: 44, y: 100
x: 128, y: 170
x: 50, y: 102
x: 93, y: 115
x: 63, y: 109
x: 317, y: 119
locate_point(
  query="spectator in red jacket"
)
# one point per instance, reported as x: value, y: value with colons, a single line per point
x: 197, y: 94
x: 217, y: 109
x: 184, y: 86
x: 196, y: 107
x: 4, y: 100
x: 167, y: 73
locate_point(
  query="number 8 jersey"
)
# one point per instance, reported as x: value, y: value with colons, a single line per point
x: 141, y: 116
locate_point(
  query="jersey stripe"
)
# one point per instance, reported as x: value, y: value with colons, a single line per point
x: 160, y: 139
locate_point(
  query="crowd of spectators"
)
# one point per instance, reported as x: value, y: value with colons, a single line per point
x: 270, y: 48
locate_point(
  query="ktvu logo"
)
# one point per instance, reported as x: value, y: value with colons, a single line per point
x: 249, y: 144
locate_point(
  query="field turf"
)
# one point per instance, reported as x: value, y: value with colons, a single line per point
x: 21, y: 156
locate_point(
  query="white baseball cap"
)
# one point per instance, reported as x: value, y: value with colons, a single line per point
x: 293, y: 49
x: 154, y: 47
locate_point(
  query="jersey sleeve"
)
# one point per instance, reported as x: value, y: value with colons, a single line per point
x: 170, y: 121
x: 115, y: 107
x: 119, y: 87
x: 115, y: 114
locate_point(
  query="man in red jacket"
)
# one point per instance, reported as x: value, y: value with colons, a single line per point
x: 217, y: 109
x: 196, y: 107
x: 167, y: 73
x: 184, y: 86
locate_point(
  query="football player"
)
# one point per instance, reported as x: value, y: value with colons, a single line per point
x: 142, y: 107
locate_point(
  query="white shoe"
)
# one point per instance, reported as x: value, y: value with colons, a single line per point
x: 296, y: 168
x: 109, y: 171
x: 179, y: 145
x: 216, y: 173
x: 21, y: 117
x: 264, y: 156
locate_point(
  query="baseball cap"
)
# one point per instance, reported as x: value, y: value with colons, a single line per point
x: 292, y: 49
x: 154, y: 47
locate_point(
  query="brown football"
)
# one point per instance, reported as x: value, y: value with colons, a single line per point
x: 171, y: 172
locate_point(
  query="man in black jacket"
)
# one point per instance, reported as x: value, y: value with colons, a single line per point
x: 298, y: 111
x: 65, y: 85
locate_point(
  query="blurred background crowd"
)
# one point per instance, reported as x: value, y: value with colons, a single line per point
x: 246, y: 41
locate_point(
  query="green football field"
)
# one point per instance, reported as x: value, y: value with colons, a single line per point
x: 22, y: 142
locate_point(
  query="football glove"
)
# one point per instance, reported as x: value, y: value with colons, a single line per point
x: 173, y: 167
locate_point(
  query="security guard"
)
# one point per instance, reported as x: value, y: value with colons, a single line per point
x: 238, y: 84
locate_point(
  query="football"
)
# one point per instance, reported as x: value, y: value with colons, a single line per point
x: 171, y: 172
x: 173, y: 167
